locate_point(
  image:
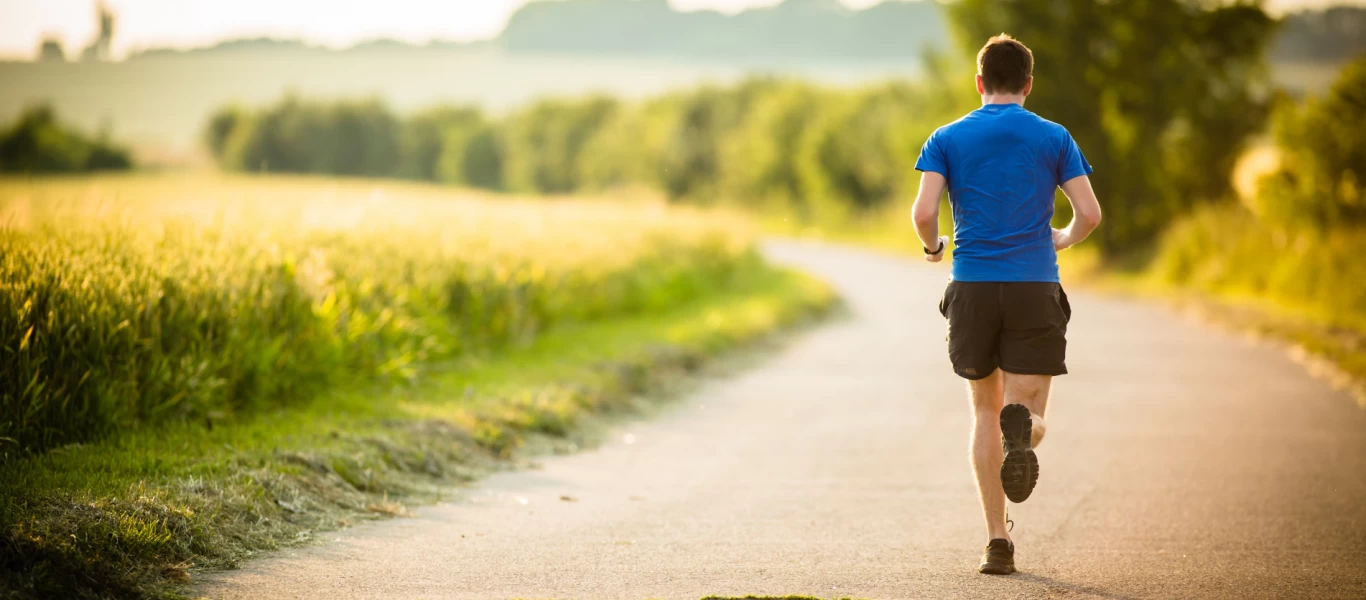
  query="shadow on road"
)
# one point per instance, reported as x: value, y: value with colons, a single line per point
x: 1069, y: 588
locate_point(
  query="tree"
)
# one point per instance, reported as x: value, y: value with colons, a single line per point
x: 426, y: 136
x: 39, y: 143
x: 102, y: 48
x: 544, y: 143
x: 1322, y: 177
x: 221, y: 126
x: 1160, y: 94
x: 50, y: 50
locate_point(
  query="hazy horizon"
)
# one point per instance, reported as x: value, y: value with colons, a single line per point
x: 195, y: 23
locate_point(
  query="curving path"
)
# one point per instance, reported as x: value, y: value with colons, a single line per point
x: 1181, y: 463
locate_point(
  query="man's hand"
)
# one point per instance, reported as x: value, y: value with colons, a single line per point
x: 943, y: 249
x: 1060, y: 241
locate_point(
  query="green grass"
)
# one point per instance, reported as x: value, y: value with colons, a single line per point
x: 131, y: 516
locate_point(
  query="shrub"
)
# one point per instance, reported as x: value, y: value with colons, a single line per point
x: 1322, y: 177
x: 39, y: 143
x: 296, y: 136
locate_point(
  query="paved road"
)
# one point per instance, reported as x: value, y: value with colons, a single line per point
x: 1181, y: 463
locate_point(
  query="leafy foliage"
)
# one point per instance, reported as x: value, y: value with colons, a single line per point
x: 39, y: 143
x: 1161, y: 95
x: 762, y: 142
x: 1322, y: 177
x: 1299, y: 247
x: 295, y: 136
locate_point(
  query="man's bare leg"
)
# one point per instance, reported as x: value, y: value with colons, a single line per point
x: 988, y: 396
x: 1032, y: 391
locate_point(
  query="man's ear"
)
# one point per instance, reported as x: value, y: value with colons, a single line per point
x: 981, y: 89
x: 1029, y: 86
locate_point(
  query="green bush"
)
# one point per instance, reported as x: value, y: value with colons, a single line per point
x: 1301, y: 246
x: 1322, y: 177
x: 296, y: 136
x: 39, y: 143
x: 426, y: 138
x: 1229, y: 252
x: 544, y: 143
x: 222, y: 124
x: 763, y: 143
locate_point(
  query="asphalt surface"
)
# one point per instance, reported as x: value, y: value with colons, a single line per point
x: 1181, y: 462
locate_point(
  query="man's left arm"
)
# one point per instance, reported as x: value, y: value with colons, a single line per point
x: 925, y: 214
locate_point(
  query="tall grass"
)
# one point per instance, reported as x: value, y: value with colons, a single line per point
x: 1310, y: 272
x: 132, y: 300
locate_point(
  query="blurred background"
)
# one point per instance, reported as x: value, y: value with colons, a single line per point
x: 343, y: 214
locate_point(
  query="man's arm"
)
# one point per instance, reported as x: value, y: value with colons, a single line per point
x: 1085, y: 213
x: 925, y: 213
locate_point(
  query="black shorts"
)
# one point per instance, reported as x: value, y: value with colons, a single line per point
x: 1018, y: 326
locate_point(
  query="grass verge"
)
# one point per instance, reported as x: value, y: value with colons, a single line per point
x: 134, y: 515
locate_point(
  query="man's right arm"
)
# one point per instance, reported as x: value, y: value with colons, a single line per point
x: 1085, y: 213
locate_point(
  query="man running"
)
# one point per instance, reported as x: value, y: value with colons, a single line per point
x: 1006, y: 309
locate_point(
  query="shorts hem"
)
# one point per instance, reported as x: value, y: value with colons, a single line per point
x: 1019, y: 371
x: 960, y: 373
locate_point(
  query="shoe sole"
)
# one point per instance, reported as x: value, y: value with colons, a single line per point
x: 996, y: 570
x: 1020, y: 469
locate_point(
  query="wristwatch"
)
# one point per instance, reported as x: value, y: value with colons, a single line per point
x: 942, y: 244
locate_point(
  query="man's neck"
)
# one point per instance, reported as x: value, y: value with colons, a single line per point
x: 1003, y: 99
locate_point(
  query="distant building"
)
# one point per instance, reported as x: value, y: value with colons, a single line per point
x: 50, y: 50
x: 101, y: 49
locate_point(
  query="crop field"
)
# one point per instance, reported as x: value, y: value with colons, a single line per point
x: 133, y: 300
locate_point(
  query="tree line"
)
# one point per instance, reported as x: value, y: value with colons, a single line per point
x: 759, y: 142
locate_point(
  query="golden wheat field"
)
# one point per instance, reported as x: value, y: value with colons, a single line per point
x: 132, y: 299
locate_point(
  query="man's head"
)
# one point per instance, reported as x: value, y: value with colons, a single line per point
x: 1005, y: 67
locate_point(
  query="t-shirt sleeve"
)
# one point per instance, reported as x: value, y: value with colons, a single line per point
x: 932, y: 156
x: 1071, y: 162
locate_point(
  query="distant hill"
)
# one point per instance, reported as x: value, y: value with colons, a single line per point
x: 791, y: 31
x: 795, y: 31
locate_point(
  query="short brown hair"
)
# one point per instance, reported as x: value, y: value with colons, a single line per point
x: 1005, y: 65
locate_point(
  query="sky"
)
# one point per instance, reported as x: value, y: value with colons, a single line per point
x: 190, y: 23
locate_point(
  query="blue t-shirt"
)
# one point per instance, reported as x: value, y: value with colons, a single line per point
x: 1003, y: 165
